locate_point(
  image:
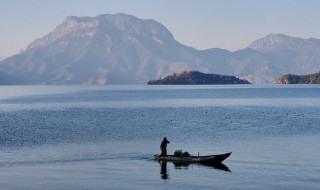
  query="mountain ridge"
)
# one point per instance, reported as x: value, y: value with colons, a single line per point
x: 123, y: 49
x: 276, y: 42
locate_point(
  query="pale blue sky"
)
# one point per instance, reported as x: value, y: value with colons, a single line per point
x: 202, y: 24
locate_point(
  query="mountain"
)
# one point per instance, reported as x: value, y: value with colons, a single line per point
x: 123, y: 49
x: 105, y: 49
x: 196, y: 78
x: 300, y: 79
x: 289, y: 54
x: 281, y: 42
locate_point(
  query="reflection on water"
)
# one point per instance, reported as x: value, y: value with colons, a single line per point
x: 163, y: 172
x: 185, y: 165
x: 217, y: 166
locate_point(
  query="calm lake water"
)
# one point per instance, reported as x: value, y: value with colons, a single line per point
x: 84, y: 137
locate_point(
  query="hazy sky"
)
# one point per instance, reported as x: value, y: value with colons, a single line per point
x: 202, y: 24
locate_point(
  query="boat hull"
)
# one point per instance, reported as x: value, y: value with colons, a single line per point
x: 211, y: 159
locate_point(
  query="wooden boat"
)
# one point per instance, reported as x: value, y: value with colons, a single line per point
x: 210, y: 159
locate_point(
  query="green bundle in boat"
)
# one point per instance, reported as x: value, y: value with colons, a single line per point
x: 179, y: 153
x: 185, y: 154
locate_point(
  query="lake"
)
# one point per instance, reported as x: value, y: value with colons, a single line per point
x: 104, y: 137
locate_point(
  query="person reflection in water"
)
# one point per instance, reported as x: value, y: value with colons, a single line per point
x: 163, y: 171
x: 163, y: 146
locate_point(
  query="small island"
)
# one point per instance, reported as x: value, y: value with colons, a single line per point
x: 197, y: 78
x: 300, y: 79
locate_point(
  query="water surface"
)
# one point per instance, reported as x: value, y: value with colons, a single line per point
x: 84, y: 137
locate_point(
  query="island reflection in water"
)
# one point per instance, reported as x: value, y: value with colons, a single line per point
x: 185, y: 165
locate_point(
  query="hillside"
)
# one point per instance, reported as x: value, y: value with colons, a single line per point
x: 197, y: 78
x: 4, y: 79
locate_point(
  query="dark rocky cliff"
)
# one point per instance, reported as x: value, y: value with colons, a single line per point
x: 197, y: 78
x: 300, y: 79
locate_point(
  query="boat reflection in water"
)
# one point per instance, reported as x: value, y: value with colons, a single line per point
x: 163, y: 172
x: 217, y: 166
x: 186, y: 165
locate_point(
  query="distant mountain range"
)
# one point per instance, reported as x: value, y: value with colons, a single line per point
x: 123, y: 49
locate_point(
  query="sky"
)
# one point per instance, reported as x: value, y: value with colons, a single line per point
x: 201, y: 24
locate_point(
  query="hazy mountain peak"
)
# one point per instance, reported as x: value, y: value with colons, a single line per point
x: 270, y: 42
x: 70, y: 25
x: 106, y: 24
x: 280, y: 42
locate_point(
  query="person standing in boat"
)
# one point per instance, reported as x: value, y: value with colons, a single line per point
x: 163, y: 146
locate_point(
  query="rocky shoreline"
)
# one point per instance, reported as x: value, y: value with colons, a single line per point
x: 300, y: 79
